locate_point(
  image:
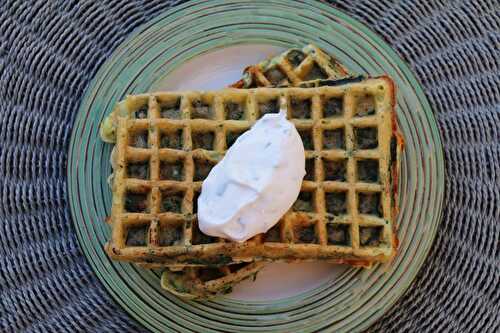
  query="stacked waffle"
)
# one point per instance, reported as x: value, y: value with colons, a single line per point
x: 166, y: 144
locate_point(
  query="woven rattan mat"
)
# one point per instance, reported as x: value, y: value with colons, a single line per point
x: 49, y: 52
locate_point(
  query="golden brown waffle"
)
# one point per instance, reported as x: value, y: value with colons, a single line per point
x: 345, y: 210
x: 207, y: 282
x: 291, y: 68
x: 232, y: 276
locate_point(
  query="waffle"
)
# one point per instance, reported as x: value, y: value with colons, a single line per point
x: 232, y: 276
x: 345, y: 210
x: 207, y: 282
x: 291, y: 68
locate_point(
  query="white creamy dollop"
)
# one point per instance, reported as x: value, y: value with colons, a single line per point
x: 256, y: 182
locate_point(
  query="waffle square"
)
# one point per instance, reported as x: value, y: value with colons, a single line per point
x: 167, y: 143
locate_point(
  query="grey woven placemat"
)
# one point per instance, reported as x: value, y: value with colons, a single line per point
x: 49, y: 52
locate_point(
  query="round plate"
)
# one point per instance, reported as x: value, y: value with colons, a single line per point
x: 205, y: 45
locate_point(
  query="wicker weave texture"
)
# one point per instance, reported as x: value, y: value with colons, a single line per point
x: 49, y: 52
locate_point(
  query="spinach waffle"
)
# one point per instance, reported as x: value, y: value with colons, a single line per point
x: 345, y: 210
x: 291, y: 68
x: 207, y: 282
x: 316, y: 64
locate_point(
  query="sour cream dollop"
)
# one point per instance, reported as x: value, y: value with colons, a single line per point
x: 255, y: 183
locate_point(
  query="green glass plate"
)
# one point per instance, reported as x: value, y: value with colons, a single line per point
x: 350, y: 301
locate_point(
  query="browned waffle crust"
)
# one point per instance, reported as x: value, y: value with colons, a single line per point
x: 343, y: 214
x: 291, y: 68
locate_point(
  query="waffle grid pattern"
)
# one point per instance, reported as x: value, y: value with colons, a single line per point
x: 336, y: 211
x: 292, y: 65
